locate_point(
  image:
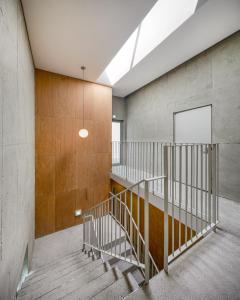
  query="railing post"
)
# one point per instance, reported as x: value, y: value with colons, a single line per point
x: 146, y: 230
x: 99, y: 230
x: 153, y: 166
x: 83, y: 234
x: 214, y: 184
x: 210, y: 184
x: 166, y: 209
x: 126, y: 158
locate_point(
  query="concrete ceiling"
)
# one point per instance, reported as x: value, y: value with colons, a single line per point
x: 65, y: 34
x: 213, y: 21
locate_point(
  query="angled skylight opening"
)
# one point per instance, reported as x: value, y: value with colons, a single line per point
x: 162, y: 20
x: 122, y: 61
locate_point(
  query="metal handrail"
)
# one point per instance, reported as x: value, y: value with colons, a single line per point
x: 189, y: 191
x: 128, y: 230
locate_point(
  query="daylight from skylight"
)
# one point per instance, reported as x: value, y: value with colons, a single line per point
x: 162, y: 20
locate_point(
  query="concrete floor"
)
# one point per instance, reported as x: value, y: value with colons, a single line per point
x: 56, y: 245
x: 209, y: 270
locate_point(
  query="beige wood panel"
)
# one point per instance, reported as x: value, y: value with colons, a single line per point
x: 71, y: 173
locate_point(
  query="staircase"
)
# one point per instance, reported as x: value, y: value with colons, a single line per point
x: 82, y: 275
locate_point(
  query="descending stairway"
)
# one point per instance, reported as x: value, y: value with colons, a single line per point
x: 82, y: 275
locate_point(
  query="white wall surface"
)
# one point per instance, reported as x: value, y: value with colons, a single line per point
x: 193, y: 126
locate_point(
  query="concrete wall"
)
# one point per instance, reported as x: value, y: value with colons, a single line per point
x: 16, y: 146
x: 210, y: 78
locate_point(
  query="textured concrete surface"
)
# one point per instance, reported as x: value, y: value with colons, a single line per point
x: 16, y: 146
x: 56, y: 245
x: 61, y: 269
x: 210, y: 78
x: 209, y: 270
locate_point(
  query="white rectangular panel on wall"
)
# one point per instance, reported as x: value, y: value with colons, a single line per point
x: 193, y: 126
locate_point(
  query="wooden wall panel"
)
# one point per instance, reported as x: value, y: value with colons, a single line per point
x: 71, y: 173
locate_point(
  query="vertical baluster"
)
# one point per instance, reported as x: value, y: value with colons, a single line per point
x: 180, y: 194
x: 157, y: 168
x: 209, y: 184
x: 161, y: 167
x: 111, y: 223
x: 120, y: 222
x: 153, y: 166
x: 135, y: 158
x: 126, y: 145
x: 201, y: 187
x: 108, y: 224
x: 84, y: 236
x: 186, y: 192
x: 196, y: 190
x: 115, y: 224
x: 214, y: 184
x: 206, y: 182
x: 131, y: 224
x: 146, y: 231
x: 173, y: 175
x: 217, y: 191
x: 191, y: 208
x: 166, y: 209
x: 170, y: 172
x: 105, y: 222
x: 138, y: 221
x: 125, y: 223
x: 143, y: 144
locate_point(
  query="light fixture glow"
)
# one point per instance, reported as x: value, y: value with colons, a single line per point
x: 162, y: 20
x: 83, y: 133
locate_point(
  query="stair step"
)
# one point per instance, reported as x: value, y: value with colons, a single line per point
x: 94, y: 287
x: 55, y: 264
x: 118, y: 241
x: 80, y: 280
x: 118, y: 290
x: 138, y: 276
x: 124, y: 267
x: 112, y: 259
x: 44, y: 274
x: 57, y: 280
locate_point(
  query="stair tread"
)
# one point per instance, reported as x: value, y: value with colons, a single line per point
x: 118, y: 290
x: 82, y: 279
x: 43, y: 287
x: 56, y: 263
x: 38, y: 276
x: 124, y: 266
x: 95, y: 286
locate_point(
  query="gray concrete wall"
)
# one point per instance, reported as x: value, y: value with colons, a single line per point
x: 210, y: 78
x: 16, y: 146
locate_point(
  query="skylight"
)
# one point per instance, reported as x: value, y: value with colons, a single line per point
x: 162, y: 20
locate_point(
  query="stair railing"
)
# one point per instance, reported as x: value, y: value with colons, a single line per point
x: 189, y: 195
x: 114, y: 227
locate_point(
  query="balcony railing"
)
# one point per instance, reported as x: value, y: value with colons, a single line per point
x: 192, y: 172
